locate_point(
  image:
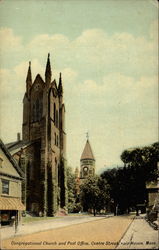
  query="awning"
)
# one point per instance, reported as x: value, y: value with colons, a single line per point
x: 7, y: 203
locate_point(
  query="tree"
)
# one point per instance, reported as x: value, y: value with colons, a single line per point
x: 128, y: 183
x: 73, y: 200
x: 94, y: 194
x: 71, y: 188
x: 145, y: 159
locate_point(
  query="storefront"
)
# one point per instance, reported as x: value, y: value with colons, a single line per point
x: 10, y: 211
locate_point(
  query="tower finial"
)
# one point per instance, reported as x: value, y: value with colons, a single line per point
x: 48, y: 70
x: 28, y: 79
x: 87, y: 135
x: 60, y: 88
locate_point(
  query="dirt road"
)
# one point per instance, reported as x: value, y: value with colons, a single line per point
x: 100, y: 234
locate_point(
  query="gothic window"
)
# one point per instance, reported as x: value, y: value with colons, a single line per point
x: 34, y: 112
x: 57, y: 119
x: 37, y: 110
x: 40, y: 110
x: 54, y: 113
x: 58, y: 175
x: 55, y: 138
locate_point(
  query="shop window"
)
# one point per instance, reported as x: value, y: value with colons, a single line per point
x: 5, y: 187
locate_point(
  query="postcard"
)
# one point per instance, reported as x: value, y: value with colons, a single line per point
x: 79, y: 155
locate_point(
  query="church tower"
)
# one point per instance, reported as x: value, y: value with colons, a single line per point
x: 87, y: 162
x: 44, y: 129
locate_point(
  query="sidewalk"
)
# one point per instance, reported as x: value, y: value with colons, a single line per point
x: 39, y: 226
x: 140, y: 235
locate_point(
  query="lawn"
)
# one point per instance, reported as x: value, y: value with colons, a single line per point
x: 34, y: 219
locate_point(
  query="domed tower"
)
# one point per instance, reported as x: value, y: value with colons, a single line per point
x: 87, y: 162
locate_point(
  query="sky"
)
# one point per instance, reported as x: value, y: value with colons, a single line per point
x: 107, y: 53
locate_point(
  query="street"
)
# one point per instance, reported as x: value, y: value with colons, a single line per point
x: 87, y: 233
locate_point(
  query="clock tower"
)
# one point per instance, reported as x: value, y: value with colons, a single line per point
x: 87, y: 162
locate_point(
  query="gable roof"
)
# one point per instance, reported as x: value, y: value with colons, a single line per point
x: 39, y: 80
x: 87, y: 152
x: 11, y: 159
x: 17, y: 145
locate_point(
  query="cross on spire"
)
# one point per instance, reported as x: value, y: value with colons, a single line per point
x: 87, y: 135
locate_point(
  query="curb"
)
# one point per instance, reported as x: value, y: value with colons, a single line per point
x: 125, y: 232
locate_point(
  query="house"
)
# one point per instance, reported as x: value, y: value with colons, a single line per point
x: 11, y: 177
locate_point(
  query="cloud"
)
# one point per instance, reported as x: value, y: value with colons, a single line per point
x: 22, y: 68
x: 56, y: 41
x: 120, y: 52
x: 110, y: 87
x: 9, y: 41
x: 100, y: 52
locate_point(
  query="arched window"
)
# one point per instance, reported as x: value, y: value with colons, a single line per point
x: 37, y: 110
x: 54, y: 113
x: 34, y: 112
x: 40, y: 110
x: 57, y: 140
x: 57, y: 119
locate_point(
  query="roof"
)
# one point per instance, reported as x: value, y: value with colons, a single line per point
x: 87, y: 152
x: 11, y: 159
x: 7, y: 203
x: 14, y: 147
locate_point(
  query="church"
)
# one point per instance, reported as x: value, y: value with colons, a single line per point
x: 41, y: 153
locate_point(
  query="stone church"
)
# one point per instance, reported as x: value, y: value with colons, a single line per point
x: 42, y: 151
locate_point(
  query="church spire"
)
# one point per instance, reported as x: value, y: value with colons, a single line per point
x: 48, y: 70
x: 29, y: 79
x: 60, y: 88
x: 87, y: 152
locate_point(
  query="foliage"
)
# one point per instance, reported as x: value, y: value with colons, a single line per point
x: 128, y: 183
x: 94, y: 194
x: 73, y: 201
x: 145, y: 158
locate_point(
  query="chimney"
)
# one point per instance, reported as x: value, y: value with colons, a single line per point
x: 18, y: 136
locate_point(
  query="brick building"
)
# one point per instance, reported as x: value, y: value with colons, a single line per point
x: 42, y: 151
